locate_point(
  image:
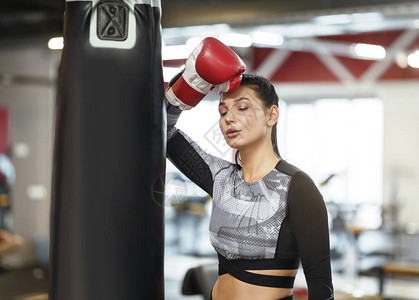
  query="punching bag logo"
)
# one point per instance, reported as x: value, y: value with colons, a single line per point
x: 112, y: 21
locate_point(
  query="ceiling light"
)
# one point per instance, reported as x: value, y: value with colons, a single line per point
x: 37, y: 192
x: 207, y: 30
x: 371, y: 16
x: 368, y: 51
x: 348, y: 18
x: 267, y: 38
x: 56, y: 43
x: 333, y: 19
x: 413, y: 59
x: 236, y: 39
x: 175, y: 52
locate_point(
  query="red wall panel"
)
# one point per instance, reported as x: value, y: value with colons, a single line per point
x: 303, y: 67
x: 4, y: 130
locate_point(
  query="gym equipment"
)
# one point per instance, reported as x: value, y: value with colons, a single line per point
x: 107, y: 221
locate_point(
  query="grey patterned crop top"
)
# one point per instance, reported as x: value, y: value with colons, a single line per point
x: 273, y: 223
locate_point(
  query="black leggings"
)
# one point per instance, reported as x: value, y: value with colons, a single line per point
x: 286, y: 298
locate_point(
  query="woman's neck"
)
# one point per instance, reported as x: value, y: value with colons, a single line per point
x: 258, y: 161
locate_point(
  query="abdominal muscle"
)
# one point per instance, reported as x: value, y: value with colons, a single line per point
x: 229, y: 288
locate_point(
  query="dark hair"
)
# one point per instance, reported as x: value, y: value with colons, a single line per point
x: 266, y: 92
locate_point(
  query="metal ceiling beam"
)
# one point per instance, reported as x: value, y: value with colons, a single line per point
x: 180, y: 13
x: 246, y: 13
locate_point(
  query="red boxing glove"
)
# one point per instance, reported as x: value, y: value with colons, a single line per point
x: 211, y: 64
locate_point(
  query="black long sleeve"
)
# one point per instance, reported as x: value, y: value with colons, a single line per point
x: 195, y: 163
x: 308, y: 222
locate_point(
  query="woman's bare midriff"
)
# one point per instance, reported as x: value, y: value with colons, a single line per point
x: 229, y: 288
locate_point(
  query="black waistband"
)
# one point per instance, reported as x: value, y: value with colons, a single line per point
x: 266, y: 264
x: 226, y: 266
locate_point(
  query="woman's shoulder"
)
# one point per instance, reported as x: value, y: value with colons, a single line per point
x: 288, y: 168
x: 297, y: 176
x: 302, y: 192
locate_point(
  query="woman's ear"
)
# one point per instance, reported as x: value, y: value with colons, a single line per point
x: 273, y: 115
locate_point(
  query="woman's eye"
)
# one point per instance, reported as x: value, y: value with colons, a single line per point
x: 242, y: 109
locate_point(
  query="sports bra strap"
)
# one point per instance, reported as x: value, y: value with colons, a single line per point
x: 225, y: 266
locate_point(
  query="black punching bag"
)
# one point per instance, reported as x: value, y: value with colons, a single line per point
x: 107, y: 226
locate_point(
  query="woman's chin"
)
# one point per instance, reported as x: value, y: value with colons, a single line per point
x: 233, y: 144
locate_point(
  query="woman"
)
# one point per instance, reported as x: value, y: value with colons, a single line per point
x: 267, y: 215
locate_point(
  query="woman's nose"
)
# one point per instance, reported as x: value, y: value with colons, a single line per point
x: 229, y: 117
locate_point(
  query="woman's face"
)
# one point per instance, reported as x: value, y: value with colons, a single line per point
x: 243, y: 121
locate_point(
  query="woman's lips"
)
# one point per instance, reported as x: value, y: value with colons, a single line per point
x: 232, y: 133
